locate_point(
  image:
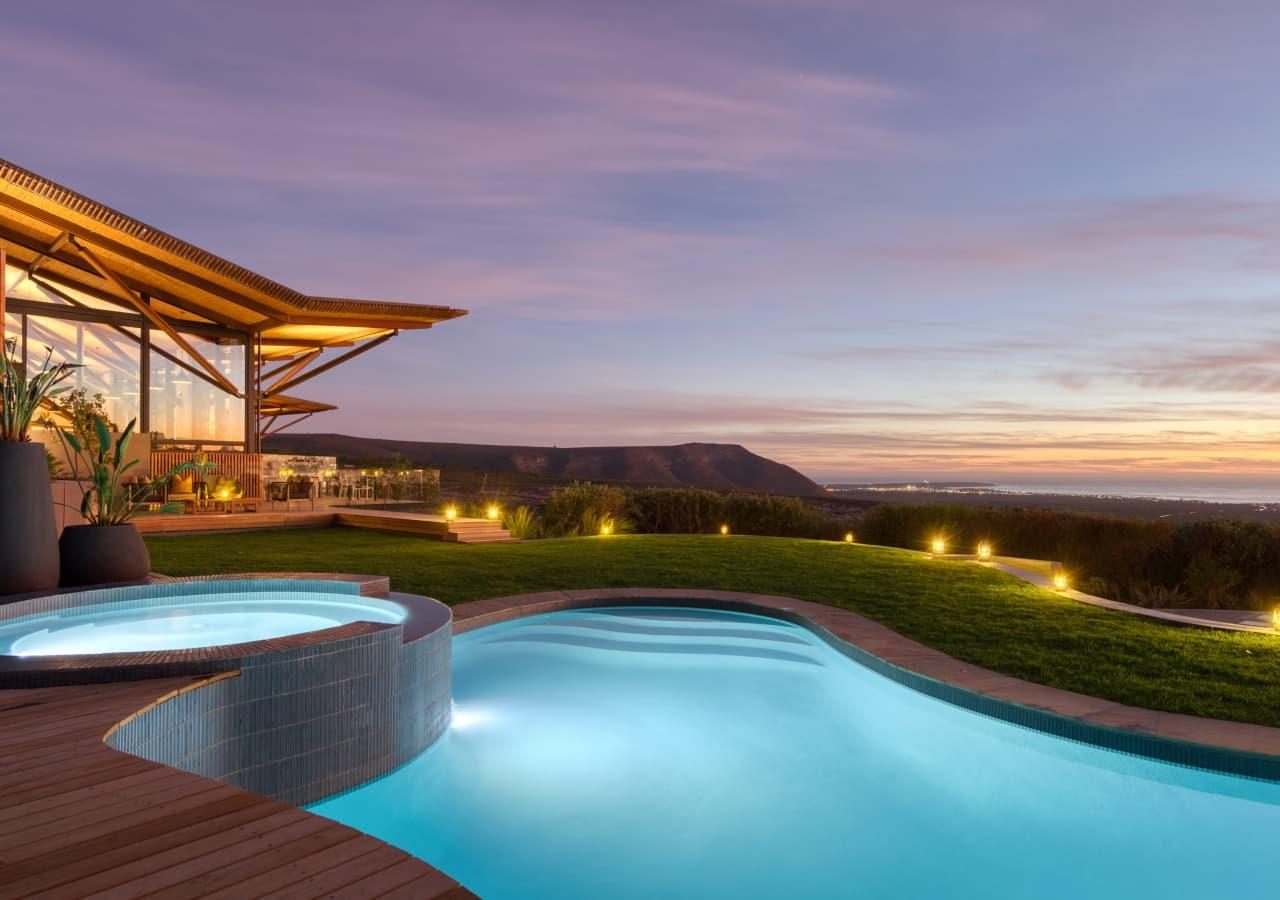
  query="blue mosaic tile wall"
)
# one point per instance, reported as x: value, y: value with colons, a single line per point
x: 301, y: 724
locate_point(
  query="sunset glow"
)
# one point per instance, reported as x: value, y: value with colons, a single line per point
x: 867, y: 240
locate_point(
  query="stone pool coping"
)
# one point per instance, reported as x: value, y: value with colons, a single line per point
x: 1234, y: 747
x: 422, y: 617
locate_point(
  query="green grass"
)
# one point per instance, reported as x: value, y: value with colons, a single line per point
x: 974, y: 614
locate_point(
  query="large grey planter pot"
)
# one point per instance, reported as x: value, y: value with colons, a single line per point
x: 102, y: 554
x: 28, y: 530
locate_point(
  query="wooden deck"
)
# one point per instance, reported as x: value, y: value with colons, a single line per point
x: 464, y: 531
x: 78, y: 819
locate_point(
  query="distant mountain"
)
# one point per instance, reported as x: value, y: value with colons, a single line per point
x: 700, y: 465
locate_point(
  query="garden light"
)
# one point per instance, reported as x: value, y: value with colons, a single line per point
x: 724, y: 529
x: 938, y: 546
x: 1060, y: 581
x: 848, y: 537
x: 450, y: 512
x: 606, y: 529
x: 493, y: 512
x: 1275, y: 618
x: 984, y: 550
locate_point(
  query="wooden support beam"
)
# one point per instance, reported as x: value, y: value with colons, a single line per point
x: 160, y: 351
x: 4, y: 287
x: 153, y: 317
x: 289, y: 369
x: 337, y: 361
x: 58, y: 243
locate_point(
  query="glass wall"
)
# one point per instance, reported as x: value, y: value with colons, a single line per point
x: 109, y: 359
x: 185, y: 406
x: 120, y: 356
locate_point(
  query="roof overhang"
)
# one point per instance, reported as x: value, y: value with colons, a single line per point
x: 69, y: 239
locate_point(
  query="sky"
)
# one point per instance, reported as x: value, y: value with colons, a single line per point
x: 873, y: 240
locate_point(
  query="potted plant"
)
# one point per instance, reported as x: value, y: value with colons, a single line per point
x: 28, y: 531
x: 108, y: 548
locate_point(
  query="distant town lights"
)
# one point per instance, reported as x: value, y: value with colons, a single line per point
x: 984, y: 550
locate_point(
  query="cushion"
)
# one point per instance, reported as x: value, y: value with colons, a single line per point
x: 182, y: 484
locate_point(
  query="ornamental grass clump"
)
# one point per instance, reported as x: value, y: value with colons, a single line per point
x: 21, y: 396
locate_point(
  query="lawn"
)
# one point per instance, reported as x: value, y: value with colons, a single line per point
x: 974, y: 614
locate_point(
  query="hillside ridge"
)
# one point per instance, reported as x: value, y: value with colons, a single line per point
x: 722, y: 466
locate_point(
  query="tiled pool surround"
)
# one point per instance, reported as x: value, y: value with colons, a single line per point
x: 294, y: 718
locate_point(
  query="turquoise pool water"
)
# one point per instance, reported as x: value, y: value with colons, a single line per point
x: 655, y: 752
x: 187, y: 620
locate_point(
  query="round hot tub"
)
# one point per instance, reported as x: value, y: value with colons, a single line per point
x: 291, y: 686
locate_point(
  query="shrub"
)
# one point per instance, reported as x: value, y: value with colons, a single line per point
x: 521, y: 523
x: 1213, y: 564
x: 580, y: 508
x: 696, y: 511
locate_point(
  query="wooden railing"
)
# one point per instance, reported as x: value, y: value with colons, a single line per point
x: 245, y: 468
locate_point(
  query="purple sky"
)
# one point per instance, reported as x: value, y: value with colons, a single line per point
x: 870, y: 239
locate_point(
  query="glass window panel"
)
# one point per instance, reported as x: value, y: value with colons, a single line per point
x: 186, y: 407
x: 23, y: 288
x: 108, y: 360
x: 13, y: 332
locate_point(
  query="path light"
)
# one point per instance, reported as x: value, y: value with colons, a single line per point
x: 984, y: 550
x: 606, y: 528
x: 848, y: 537
x: 724, y: 529
x: 1275, y: 618
x: 450, y: 512
x: 938, y: 546
x: 493, y: 512
x: 1060, y: 580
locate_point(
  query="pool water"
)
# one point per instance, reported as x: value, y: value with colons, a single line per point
x: 658, y: 752
x: 186, y: 621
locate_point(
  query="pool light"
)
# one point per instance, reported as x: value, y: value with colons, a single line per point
x: 724, y: 529
x: 984, y: 550
x: 938, y: 546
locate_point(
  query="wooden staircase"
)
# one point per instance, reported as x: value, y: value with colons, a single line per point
x: 462, y: 531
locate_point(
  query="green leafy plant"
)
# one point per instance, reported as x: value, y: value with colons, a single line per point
x: 21, y: 396
x: 107, y: 499
x: 522, y: 523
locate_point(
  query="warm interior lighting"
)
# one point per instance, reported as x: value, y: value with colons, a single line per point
x: 724, y: 529
x: 492, y: 512
x: 984, y: 550
x: 1060, y: 581
x: 938, y: 546
x: 451, y: 512
x: 848, y: 537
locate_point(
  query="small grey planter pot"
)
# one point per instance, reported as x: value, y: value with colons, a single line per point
x: 102, y: 554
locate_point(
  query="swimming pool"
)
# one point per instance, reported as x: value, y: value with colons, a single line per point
x: 201, y: 614
x: 650, y: 751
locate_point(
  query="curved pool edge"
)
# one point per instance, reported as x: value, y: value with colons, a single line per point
x: 422, y: 615
x: 1236, y: 748
x: 159, y: 821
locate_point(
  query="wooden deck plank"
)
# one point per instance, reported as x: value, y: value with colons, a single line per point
x: 318, y: 883
x: 77, y: 817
